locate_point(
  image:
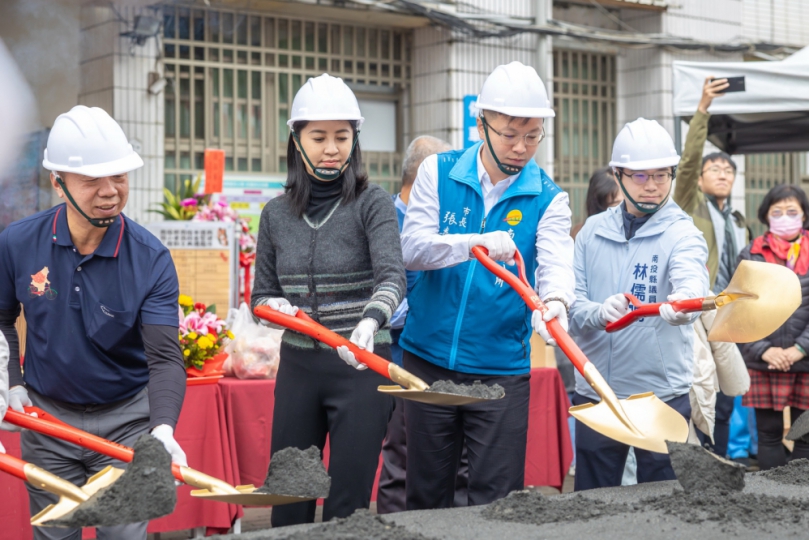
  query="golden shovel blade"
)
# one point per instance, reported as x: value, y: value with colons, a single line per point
x: 70, y: 496
x: 246, y: 496
x: 652, y: 422
x: 758, y: 300
x: 431, y: 398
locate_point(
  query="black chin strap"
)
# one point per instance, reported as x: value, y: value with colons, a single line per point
x: 510, y: 170
x: 101, y: 223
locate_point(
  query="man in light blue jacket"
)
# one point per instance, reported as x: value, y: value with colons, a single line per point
x: 647, y: 246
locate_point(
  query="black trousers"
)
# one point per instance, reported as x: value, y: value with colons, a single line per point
x: 317, y: 394
x: 495, y: 433
x: 771, y: 450
x: 721, y: 430
x: 600, y: 460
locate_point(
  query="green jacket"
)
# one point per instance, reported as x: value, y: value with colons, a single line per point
x: 688, y: 196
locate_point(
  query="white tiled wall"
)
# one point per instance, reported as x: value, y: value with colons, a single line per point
x: 779, y: 21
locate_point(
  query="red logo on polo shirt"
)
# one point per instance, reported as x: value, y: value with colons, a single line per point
x: 41, y: 285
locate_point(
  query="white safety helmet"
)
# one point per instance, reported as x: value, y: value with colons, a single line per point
x: 515, y: 90
x: 643, y: 144
x: 88, y: 141
x: 325, y: 98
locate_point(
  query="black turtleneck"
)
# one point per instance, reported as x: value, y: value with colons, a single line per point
x: 632, y: 222
x: 323, y: 195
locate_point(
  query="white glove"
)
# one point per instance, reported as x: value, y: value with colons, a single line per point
x: 498, y: 243
x: 613, y: 308
x: 676, y: 318
x: 556, y: 310
x: 17, y: 399
x: 165, y: 434
x: 278, y: 304
x: 362, y: 337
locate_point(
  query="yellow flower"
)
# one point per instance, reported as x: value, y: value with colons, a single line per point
x: 230, y: 334
x: 186, y: 353
x: 191, y: 335
x: 185, y: 300
x: 204, y: 342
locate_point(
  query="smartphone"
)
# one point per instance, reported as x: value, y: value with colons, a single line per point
x: 735, y: 84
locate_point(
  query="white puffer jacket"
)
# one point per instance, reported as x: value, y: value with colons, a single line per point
x: 717, y: 366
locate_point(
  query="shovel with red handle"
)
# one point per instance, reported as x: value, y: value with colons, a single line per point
x: 209, y: 487
x: 641, y: 420
x: 71, y: 497
x: 411, y: 387
x: 758, y: 300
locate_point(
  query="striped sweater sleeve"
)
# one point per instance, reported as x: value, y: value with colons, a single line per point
x: 382, y: 232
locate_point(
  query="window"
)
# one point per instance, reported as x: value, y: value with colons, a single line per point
x: 584, y: 101
x: 233, y: 75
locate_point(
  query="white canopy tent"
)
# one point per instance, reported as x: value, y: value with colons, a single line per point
x: 772, y: 115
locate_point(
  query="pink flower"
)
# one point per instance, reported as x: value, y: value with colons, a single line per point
x: 188, y: 202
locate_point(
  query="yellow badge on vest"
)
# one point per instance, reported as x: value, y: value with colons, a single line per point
x: 514, y: 217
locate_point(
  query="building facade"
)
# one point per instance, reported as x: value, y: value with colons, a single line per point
x: 223, y: 76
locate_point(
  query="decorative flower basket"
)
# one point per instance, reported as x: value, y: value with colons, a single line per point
x: 211, y: 368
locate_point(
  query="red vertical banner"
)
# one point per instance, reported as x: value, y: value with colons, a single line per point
x: 214, y: 170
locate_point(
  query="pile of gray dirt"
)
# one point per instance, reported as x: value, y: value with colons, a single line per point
x: 297, y: 473
x: 795, y: 472
x: 532, y: 507
x: 699, y: 470
x: 730, y: 508
x: 145, y: 491
x: 475, y: 390
x: 361, y: 525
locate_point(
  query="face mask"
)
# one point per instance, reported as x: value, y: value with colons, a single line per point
x: 786, y: 226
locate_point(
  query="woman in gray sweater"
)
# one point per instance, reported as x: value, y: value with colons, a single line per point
x: 330, y: 246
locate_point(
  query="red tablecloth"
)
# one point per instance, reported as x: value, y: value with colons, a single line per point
x: 225, y: 430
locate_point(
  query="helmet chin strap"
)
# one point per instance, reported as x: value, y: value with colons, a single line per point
x: 101, y: 223
x: 646, y: 208
x: 324, y: 173
x: 510, y: 170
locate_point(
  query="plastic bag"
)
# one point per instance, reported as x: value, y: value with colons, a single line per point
x: 255, y: 351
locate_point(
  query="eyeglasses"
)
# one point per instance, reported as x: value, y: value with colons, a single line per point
x: 641, y: 178
x: 791, y: 213
x: 717, y: 170
x: 532, y: 139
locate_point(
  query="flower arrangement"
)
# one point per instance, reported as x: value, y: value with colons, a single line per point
x: 183, y: 205
x: 202, y: 333
x: 221, y: 211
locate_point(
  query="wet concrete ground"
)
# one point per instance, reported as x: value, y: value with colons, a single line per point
x: 468, y: 524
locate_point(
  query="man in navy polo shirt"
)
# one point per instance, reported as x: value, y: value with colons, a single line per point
x: 100, y: 296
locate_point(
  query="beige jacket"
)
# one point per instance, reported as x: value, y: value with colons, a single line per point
x: 716, y: 366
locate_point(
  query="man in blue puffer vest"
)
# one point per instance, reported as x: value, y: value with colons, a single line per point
x: 646, y: 246
x: 464, y: 324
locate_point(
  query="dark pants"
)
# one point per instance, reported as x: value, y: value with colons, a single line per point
x: 495, y: 433
x: 317, y: 394
x: 721, y: 430
x: 771, y: 450
x: 122, y: 422
x: 600, y: 460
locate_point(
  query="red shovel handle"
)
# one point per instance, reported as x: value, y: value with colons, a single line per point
x: 53, y: 427
x: 651, y: 310
x: 530, y: 297
x: 304, y: 324
x: 13, y: 466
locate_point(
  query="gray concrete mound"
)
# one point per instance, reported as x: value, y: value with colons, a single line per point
x: 799, y: 429
x: 699, y: 470
x: 476, y: 390
x: 795, y: 472
x: 532, y: 507
x: 145, y: 491
x: 297, y: 473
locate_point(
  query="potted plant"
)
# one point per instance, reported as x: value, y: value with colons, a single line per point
x: 202, y: 337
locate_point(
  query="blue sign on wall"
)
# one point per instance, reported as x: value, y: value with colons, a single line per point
x: 470, y: 114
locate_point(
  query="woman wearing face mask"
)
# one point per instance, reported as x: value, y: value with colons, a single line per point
x: 779, y: 373
x: 330, y: 246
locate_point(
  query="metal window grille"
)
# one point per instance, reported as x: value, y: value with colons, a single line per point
x: 762, y: 173
x: 584, y: 101
x: 233, y: 75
